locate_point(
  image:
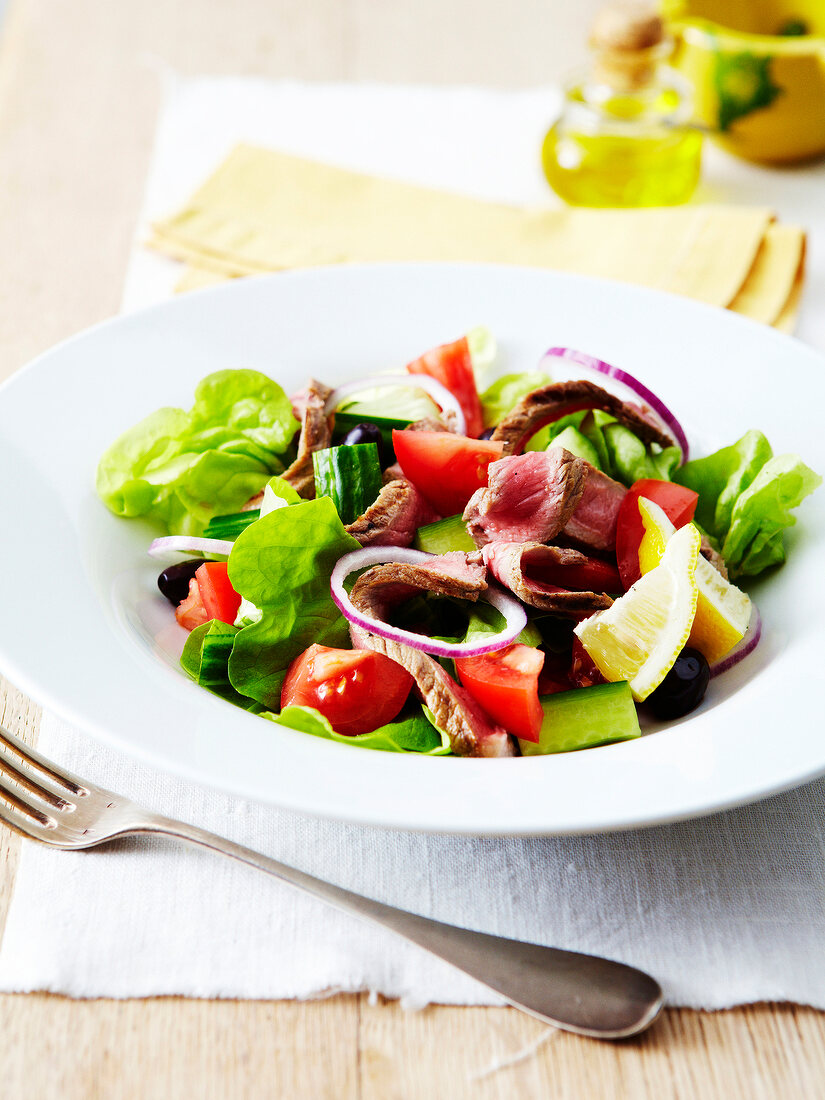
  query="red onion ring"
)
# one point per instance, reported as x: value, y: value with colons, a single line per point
x: 431, y: 386
x: 188, y: 544
x: 625, y: 385
x: 743, y: 648
x: 509, y: 606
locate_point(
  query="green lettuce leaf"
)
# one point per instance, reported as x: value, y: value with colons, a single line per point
x: 410, y: 732
x: 745, y: 500
x: 483, y: 355
x: 205, y: 658
x: 629, y: 460
x: 500, y: 397
x: 720, y: 478
x: 181, y: 468
x: 282, y: 564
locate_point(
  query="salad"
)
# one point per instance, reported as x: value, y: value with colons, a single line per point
x: 450, y: 560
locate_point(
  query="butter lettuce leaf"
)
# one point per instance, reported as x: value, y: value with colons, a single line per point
x: 282, y: 564
x: 410, y: 732
x: 181, y: 468
x: 745, y: 500
x: 506, y: 392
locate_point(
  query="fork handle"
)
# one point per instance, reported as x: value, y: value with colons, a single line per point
x: 581, y: 993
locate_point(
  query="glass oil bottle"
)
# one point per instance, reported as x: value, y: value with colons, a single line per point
x: 624, y: 138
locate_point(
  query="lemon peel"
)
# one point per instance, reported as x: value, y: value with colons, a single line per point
x: 640, y: 636
x: 723, y: 611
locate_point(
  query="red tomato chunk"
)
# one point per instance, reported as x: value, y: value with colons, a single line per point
x: 356, y: 690
x: 452, y: 366
x: 506, y: 684
x: 445, y: 468
x: 211, y: 596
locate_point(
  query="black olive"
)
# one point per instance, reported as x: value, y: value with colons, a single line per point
x: 365, y: 433
x: 684, y: 687
x: 487, y: 433
x: 174, y: 581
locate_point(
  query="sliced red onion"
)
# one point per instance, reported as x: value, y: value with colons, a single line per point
x: 187, y: 544
x: 509, y: 606
x: 623, y: 386
x: 440, y: 394
x: 742, y: 649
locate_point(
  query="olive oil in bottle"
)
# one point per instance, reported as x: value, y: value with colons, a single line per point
x: 624, y: 138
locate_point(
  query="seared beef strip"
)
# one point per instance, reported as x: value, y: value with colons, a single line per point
x: 520, y: 566
x: 394, y: 517
x: 315, y: 436
x: 549, y: 403
x: 471, y: 731
x: 593, y: 523
x: 383, y: 587
x: 529, y: 498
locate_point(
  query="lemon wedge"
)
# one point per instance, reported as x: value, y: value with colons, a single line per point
x: 640, y: 636
x: 723, y: 611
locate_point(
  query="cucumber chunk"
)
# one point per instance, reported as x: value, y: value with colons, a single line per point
x: 443, y: 536
x: 584, y: 717
x: 577, y: 444
x: 350, y: 476
x: 231, y: 525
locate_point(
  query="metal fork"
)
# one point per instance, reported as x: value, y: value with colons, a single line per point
x: 581, y: 993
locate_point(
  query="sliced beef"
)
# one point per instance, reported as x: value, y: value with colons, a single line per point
x: 445, y: 422
x: 593, y: 523
x: 528, y: 570
x: 549, y: 403
x: 308, y: 406
x: 394, y: 517
x: 529, y: 497
x: 471, y: 731
x: 376, y: 592
x: 380, y: 589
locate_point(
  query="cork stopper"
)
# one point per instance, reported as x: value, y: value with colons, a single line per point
x: 628, y: 38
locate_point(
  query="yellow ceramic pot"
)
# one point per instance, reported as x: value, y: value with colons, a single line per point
x: 758, y: 72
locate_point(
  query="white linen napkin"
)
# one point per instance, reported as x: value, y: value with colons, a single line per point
x: 723, y: 910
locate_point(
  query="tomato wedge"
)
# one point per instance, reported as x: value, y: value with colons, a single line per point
x: 591, y: 575
x: 190, y: 612
x: 506, y: 684
x: 452, y: 366
x: 447, y: 469
x: 219, y: 598
x: 678, y: 504
x: 356, y: 690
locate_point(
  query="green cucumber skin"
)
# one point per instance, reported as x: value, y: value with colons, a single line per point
x: 585, y: 717
x: 350, y: 476
x: 444, y: 536
x: 231, y: 525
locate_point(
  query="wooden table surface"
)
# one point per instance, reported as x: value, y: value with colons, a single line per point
x: 79, y: 96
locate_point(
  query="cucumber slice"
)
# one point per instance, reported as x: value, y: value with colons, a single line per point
x: 443, y: 536
x: 231, y: 525
x: 351, y: 476
x: 585, y: 717
x: 577, y: 444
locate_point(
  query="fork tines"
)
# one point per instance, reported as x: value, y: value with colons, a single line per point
x: 30, y: 787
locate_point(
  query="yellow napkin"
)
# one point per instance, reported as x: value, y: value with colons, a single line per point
x: 265, y: 211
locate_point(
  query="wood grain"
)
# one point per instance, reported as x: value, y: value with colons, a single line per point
x: 79, y: 95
